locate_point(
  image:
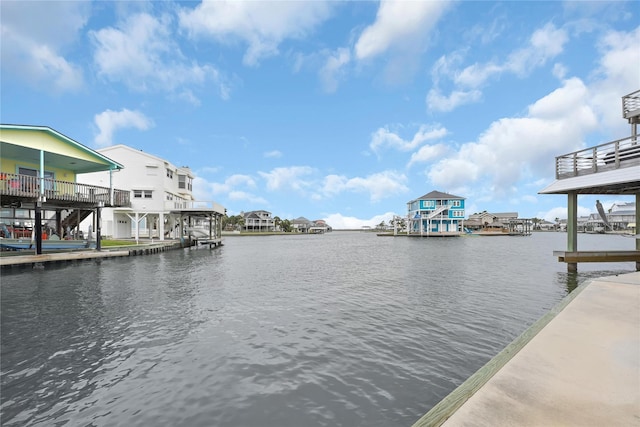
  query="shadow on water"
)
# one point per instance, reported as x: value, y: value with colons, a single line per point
x: 571, y: 280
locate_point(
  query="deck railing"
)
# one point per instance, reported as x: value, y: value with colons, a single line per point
x: 631, y: 105
x: 179, y: 205
x: 26, y: 186
x: 604, y: 157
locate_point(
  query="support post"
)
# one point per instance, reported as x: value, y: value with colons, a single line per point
x: 98, y: 229
x: 38, y: 228
x: 637, y: 228
x: 572, y: 227
x: 59, y: 230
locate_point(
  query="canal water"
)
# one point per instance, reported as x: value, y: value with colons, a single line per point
x: 341, y: 329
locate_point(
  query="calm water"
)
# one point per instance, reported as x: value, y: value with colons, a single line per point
x: 342, y: 329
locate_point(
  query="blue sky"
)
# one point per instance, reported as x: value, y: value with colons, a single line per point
x: 336, y: 110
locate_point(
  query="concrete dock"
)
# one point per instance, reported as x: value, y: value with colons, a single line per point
x: 577, y: 366
x: 23, y: 259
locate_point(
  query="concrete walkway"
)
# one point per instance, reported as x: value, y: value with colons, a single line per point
x: 581, y: 369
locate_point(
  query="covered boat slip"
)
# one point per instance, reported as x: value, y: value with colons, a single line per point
x: 607, y: 169
x: 201, y: 223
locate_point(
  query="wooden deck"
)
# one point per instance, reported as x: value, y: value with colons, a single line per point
x: 574, y: 257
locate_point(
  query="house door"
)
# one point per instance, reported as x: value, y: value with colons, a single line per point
x: 123, y: 228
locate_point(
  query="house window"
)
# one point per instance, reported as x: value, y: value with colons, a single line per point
x: 457, y: 214
x: 139, y: 194
x: 152, y: 170
x: 454, y: 203
x: 169, y: 173
x: 185, y: 182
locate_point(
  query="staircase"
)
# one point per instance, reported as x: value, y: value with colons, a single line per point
x: 438, y: 211
x: 72, y: 221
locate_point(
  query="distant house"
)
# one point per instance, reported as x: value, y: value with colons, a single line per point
x: 301, y: 225
x: 489, y: 221
x: 621, y: 216
x: 257, y: 221
x: 435, y: 213
x: 320, y: 226
x: 161, y: 196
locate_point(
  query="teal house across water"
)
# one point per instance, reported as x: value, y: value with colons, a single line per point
x: 435, y: 214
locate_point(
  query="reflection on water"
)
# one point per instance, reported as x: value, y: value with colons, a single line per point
x: 343, y: 329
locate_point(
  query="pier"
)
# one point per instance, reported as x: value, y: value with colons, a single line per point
x: 579, y: 365
x: 26, y: 259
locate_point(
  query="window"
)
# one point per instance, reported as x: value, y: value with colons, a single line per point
x: 169, y: 173
x: 457, y: 213
x: 185, y: 182
x: 454, y: 203
x: 138, y: 194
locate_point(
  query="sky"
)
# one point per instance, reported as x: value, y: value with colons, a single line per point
x: 336, y: 110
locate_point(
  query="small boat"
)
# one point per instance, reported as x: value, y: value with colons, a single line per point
x: 22, y: 244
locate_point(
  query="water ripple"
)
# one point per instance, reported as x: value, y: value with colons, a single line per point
x: 345, y: 329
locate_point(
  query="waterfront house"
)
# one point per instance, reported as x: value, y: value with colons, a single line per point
x: 490, y: 221
x: 257, y: 221
x: 40, y: 181
x: 162, y: 202
x: 621, y: 217
x: 301, y: 225
x: 435, y: 213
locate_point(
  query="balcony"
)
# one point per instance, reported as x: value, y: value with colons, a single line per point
x: 15, y: 188
x: 187, y: 206
x: 631, y: 106
x: 604, y: 157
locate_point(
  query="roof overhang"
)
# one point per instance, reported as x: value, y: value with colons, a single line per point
x: 618, y: 181
x: 93, y: 161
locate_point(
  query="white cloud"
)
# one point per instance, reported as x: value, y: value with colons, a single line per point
x: 333, y: 69
x: 384, y: 137
x: 514, y: 148
x: 339, y: 221
x: 108, y: 122
x: 438, y: 102
x: 142, y: 54
x: 617, y: 75
x: 378, y: 185
x: 274, y: 154
x: 34, y: 36
x: 544, y: 44
x: 399, y: 24
x: 232, y: 182
x: 263, y: 26
x: 244, y: 196
x: 287, y: 178
x: 428, y: 153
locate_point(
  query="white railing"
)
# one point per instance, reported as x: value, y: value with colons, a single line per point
x: 612, y: 155
x: 631, y: 105
x: 181, y: 205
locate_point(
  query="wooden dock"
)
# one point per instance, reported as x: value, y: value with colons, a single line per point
x: 18, y: 259
x: 21, y: 260
x: 598, y: 256
x: 579, y: 365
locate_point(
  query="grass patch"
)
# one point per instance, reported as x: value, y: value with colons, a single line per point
x: 107, y: 243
